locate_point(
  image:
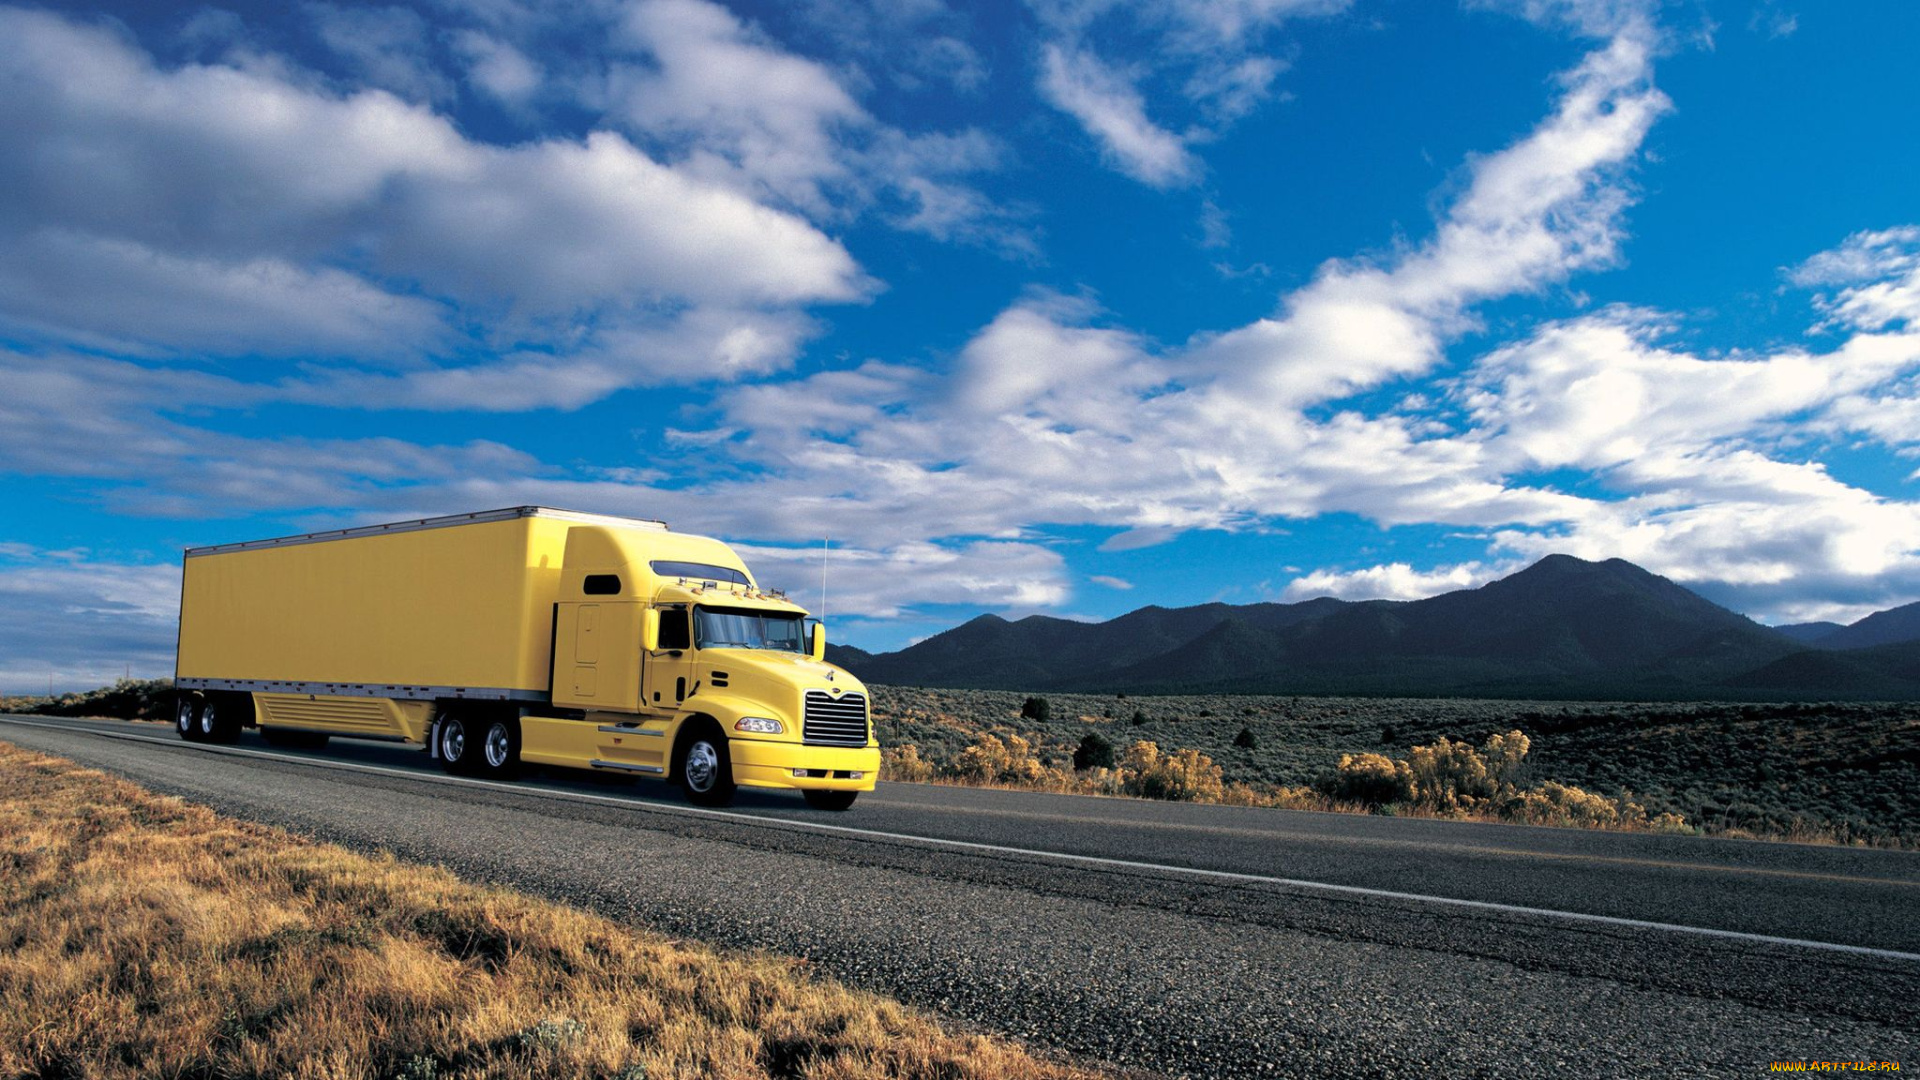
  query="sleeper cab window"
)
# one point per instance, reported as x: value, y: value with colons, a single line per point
x: 601, y: 585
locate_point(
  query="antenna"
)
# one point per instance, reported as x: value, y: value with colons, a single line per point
x: 825, y: 541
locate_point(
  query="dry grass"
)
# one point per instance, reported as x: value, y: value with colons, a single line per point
x: 146, y: 936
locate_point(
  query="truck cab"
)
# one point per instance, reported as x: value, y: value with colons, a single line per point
x: 686, y: 669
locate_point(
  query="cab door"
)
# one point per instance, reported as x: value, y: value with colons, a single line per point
x: 670, y: 679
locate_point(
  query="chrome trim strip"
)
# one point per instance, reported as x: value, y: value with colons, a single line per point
x: 651, y: 769
x: 511, y: 513
x: 373, y: 690
x: 621, y: 729
x: 336, y: 733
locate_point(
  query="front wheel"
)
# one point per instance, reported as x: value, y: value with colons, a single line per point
x: 706, y: 770
x: 831, y: 800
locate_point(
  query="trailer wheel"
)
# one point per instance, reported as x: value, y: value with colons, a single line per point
x: 186, y: 717
x: 500, y: 749
x: 216, y: 724
x: 705, y: 768
x: 831, y: 800
x: 458, y: 747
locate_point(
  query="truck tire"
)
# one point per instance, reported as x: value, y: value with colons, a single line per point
x: 705, y: 767
x: 459, y: 747
x: 831, y: 800
x: 218, y: 721
x: 500, y: 749
x: 186, y: 717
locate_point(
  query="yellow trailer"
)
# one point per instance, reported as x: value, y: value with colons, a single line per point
x: 528, y: 635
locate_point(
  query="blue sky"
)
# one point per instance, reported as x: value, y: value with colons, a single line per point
x: 1065, y: 306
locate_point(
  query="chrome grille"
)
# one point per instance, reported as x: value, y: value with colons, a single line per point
x: 835, y: 721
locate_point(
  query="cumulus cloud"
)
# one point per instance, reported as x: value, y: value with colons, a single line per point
x: 725, y: 102
x: 247, y: 210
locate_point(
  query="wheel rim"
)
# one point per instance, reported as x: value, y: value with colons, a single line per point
x: 703, y: 766
x: 498, y: 744
x: 207, y: 720
x: 183, y: 717
x: 453, y: 740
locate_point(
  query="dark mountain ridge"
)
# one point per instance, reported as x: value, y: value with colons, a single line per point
x: 1890, y: 627
x: 1561, y: 628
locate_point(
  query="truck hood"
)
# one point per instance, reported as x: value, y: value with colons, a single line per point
x: 771, y: 669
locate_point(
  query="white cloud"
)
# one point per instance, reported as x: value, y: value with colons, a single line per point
x: 1110, y: 582
x: 242, y: 210
x: 888, y: 582
x: 1394, y: 581
x: 109, y: 421
x: 388, y: 47
x: 1114, y: 113
x: 1212, y: 50
x: 912, y: 43
x: 56, y: 282
x: 696, y: 345
x: 1879, y: 278
x: 602, y: 223
x: 743, y: 110
x: 498, y: 69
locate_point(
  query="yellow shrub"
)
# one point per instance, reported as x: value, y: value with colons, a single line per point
x: 983, y: 762
x: 904, y: 763
x: 993, y: 761
x: 1184, y: 776
x: 1506, y: 756
x: 1449, y: 775
x: 1373, y: 779
x: 1561, y: 804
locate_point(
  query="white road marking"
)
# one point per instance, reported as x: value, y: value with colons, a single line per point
x: 999, y: 849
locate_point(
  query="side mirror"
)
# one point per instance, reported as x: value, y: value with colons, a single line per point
x: 650, y: 630
x: 817, y: 641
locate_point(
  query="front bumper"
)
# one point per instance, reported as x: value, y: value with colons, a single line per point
x: 760, y: 763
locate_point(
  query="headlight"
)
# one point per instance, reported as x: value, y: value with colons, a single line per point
x: 759, y: 725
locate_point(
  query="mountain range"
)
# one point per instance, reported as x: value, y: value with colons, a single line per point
x: 1563, y: 628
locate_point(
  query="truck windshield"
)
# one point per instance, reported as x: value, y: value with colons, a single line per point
x: 733, y: 628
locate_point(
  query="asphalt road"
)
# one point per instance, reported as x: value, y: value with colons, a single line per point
x: 1190, y: 940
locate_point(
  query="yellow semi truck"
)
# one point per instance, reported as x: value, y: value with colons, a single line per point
x: 524, y: 635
